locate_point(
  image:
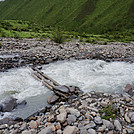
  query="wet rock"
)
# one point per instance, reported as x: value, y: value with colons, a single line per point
x: 53, y: 99
x: 62, y: 89
x: 9, y: 104
x: 128, y: 89
x: 108, y: 124
x: 70, y: 130
x: 22, y: 103
x: 98, y: 120
x: 8, y: 121
x: 117, y: 125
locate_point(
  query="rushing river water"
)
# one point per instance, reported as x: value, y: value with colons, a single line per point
x: 89, y: 75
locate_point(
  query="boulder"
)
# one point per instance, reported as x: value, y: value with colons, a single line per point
x: 53, y: 99
x: 47, y: 130
x: 8, y: 121
x: 9, y: 104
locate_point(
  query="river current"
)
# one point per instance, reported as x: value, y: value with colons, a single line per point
x: 89, y: 75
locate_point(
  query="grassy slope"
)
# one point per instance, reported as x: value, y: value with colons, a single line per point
x: 92, y: 16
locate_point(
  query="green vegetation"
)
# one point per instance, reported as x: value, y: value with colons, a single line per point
x: 26, y: 29
x: 109, y: 112
x: 58, y: 36
x: 90, y: 16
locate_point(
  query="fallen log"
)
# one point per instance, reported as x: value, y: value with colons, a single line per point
x: 46, y: 77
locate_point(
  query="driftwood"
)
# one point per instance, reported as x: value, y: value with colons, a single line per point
x: 60, y: 90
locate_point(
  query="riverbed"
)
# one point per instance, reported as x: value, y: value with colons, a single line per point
x: 89, y: 75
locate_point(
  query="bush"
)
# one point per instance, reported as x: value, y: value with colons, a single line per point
x: 58, y: 36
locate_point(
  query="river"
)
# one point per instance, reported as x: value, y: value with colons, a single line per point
x: 89, y: 75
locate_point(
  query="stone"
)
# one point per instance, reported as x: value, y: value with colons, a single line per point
x: 102, y: 128
x: 71, y: 119
x: 61, y: 117
x: 108, y: 124
x: 90, y: 125
x: 47, y: 130
x: 128, y: 89
x: 127, y: 118
x: 58, y: 126
x: 32, y: 131
x: 83, y: 131
x: 117, y: 125
x: 132, y: 118
x: 130, y: 131
x: 7, y: 120
x: 53, y: 99
x: 59, y: 132
x: 70, y: 130
x: 103, y: 104
x: 61, y: 88
x: 110, y: 132
x: 4, y: 126
x: 98, y: 120
x: 91, y: 131
x: 22, y: 103
x: 73, y: 111
x: 9, y: 104
x: 33, y: 125
x: 93, y: 113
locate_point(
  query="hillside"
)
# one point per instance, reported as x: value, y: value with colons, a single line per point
x: 91, y: 16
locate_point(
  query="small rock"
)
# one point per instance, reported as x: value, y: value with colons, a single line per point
x: 61, y: 88
x: 127, y: 118
x: 53, y: 99
x: 71, y: 119
x: 74, y: 112
x: 58, y: 126
x: 59, y: 132
x: 103, y: 104
x: 132, y: 118
x: 108, y: 124
x: 70, y: 130
x: 91, y: 131
x: 98, y: 120
x: 33, y: 124
x: 47, y: 130
x: 32, y: 131
x: 61, y: 117
x: 4, y: 126
x: 117, y: 125
x: 90, y: 125
x: 128, y: 89
x: 83, y: 131
x: 102, y: 128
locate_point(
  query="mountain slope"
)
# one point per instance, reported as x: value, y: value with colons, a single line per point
x: 92, y: 16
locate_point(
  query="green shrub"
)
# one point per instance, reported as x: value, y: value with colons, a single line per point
x: 110, y: 112
x: 58, y: 36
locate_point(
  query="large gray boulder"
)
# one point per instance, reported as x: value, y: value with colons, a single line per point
x: 9, y: 104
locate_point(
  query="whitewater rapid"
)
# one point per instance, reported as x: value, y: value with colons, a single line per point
x: 89, y: 75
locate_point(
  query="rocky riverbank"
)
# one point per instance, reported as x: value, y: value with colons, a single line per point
x: 87, y: 113
x: 22, y: 52
x: 82, y: 113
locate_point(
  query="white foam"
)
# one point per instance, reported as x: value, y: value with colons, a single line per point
x: 92, y: 75
x: 20, y: 83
